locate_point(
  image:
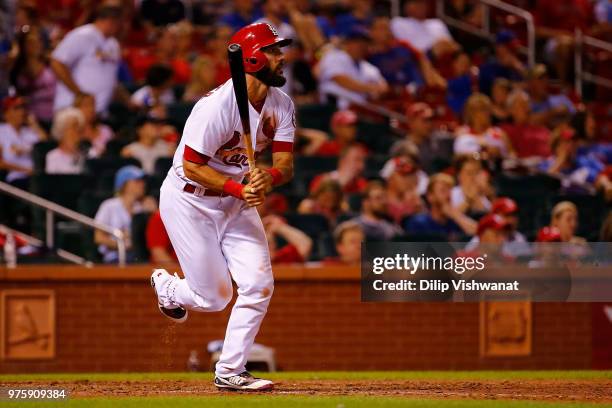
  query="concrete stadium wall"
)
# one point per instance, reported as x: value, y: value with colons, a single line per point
x: 107, y: 320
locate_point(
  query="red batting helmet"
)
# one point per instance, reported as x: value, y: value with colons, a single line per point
x: 252, y: 39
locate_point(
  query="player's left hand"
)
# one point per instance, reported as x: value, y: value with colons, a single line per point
x: 261, y: 180
x: 252, y: 197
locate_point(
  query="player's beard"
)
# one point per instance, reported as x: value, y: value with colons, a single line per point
x: 271, y: 78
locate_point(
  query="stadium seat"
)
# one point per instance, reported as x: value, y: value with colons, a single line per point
x: 377, y: 136
x: 314, y: 225
x: 315, y: 116
x: 307, y: 167
x: 104, y: 170
x: 88, y: 204
x: 162, y: 165
x: 139, y: 237
x: 39, y: 154
x: 178, y: 114
x: 374, y: 164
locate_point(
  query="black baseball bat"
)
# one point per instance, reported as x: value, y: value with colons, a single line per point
x: 234, y: 54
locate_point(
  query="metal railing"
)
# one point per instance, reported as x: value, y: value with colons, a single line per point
x: 485, y: 30
x: 51, y: 209
x: 388, y: 113
x: 581, y: 41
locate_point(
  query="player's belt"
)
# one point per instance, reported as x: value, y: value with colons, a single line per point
x: 191, y: 189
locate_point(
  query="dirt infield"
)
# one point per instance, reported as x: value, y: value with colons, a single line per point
x: 543, y: 390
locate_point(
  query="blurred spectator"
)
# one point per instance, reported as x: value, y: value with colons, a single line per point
x: 31, y: 75
x: 469, y: 12
x: 403, y: 195
x: 150, y: 145
x: 603, y: 183
x: 351, y: 164
x: 18, y: 134
x: 344, y: 130
x: 158, y: 242
x: 425, y: 34
x: 556, y: 22
x: 160, y: 13
x: 546, y: 109
x: 399, y: 63
x: 165, y: 51
x: 585, y: 125
x: 470, y: 195
x: 499, y: 98
x: 326, y: 200
x: 67, y: 157
x: 276, y: 14
x: 117, y: 212
x: 87, y: 59
x: 244, y: 13
x: 96, y: 133
x: 603, y: 12
x: 202, y: 79
x: 348, y: 237
x: 479, y: 136
x: 298, y: 245
x: 548, y: 234
x: 345, y: 75
x: 440, y: 218
x: 185, y: 52
x: 505, y: 64
x: 374, y: 218
x: 493, y: 229
x: 528, y: 140
x: 461, y: 82
x: 564, y: 216
x: 216, y: 49
x: 516, y: 244
x: 359, y: 17
x: 158, y: 89
x: 421, y: 139
x: 574, y: 170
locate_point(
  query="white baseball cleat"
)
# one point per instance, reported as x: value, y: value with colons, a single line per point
x: 162, y: 283
x: 243, y: 382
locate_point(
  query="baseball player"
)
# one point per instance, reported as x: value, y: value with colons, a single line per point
x: 210, y: 214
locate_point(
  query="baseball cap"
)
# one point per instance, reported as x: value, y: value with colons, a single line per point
x: 358, y: 33
x: 127, y: 173
x: 12, y: 101
x: 492, y: 221
x: 508, y: 38
x: 398, y: 164
x: 549, y: 234
x: 504, y: 206
x: 344, y: 118
x: 419, y: 110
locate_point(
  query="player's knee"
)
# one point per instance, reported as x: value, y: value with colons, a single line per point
x: 219, y: 303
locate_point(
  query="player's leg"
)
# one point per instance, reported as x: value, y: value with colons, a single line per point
x: 192, y: 229
x: 245, y: 247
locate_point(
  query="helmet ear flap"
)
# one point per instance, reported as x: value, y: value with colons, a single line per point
x: 256, y: 61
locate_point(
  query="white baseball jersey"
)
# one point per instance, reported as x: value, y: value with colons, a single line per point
x: 214, y: 130
x: 220, y: 238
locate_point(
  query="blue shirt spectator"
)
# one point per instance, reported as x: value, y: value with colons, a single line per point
x: 505, y: 63
x: 425, y: 224
x: 243, y: 15
x: 398, y: 65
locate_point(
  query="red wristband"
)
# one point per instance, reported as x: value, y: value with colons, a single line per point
x: 233, y: 188
x: 277, y: 176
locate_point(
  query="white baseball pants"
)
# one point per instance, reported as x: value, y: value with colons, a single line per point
x: 215, y: 237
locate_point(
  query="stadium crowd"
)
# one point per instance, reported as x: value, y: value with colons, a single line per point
x: 94, y: 96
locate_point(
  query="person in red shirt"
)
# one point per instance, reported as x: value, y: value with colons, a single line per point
x: 298, y: 247
x: 403, y: 197
x: 158, y: 242
x: 527, y: 139
x: 351, y: 165
x: 344, y: 130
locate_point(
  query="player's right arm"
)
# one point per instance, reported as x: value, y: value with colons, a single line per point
x: 208, y: 177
